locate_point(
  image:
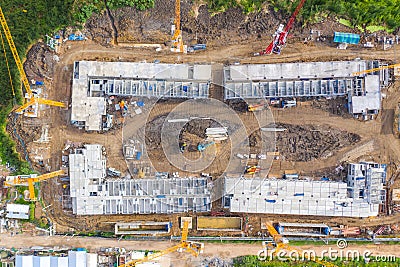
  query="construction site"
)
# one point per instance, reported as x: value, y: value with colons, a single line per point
x: 184, y: 142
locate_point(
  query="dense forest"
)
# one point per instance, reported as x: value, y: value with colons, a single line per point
x: 30, y: 20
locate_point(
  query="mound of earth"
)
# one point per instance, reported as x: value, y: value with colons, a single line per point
x: 309, y: 142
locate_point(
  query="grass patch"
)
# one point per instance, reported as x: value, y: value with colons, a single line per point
x: 345, y: 22
x: 253, y: 261
x: 375, y: 28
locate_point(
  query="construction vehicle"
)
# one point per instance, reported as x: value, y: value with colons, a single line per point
x: 252, y: 169
x: 281, y: 243
x: 196, y: 47
x: 29, y: 180
x: 288, y: 103
x: 281, y: 34
x: 177, y: 42
x: 256, y: 107
x: 31, y: 98
x: 201, y: 147
x: 375, y: 69
x: 195, y: 248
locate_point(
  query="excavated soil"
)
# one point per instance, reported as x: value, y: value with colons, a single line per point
x: 40, y: 63
x: 198, y: 24
x: 153, y: 134
x: 336, y: 106
x: 299, y: 143
x: 309, y: 142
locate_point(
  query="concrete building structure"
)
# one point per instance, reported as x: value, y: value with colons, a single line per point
x: 74, y: 259
x: 207, y: 223
x: 143, y: 228
x: 291, y: 79
x: 365, y: 98
x: 309, y: 79
x: 17, y: 211
x: 93, y: 193
x: 303, y: 229
x: 93, y: 81
x: 366, y: 181
x: 307, y: 197
x: 40, y: 261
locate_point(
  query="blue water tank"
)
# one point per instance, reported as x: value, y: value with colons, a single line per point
x: 138, y: 155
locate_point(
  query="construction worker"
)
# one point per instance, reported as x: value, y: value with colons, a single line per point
x: 182, y: 147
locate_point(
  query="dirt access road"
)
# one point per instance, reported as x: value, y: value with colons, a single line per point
x: 88, y: 50
x: 243, y: 42
x: 220, y: 250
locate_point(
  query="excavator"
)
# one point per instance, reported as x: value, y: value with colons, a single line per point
x: 29, y: 180
x: 194, y: 248
x: 281, y: 243
x: 31, y: 99
x: 281, y: 34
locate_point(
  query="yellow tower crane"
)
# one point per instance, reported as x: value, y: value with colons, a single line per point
x: 282, y: 243
x: 375, y: 69
x: 177, y: 42
x: 30, y: 98
x: 29, y: 180
x: 195, y: 248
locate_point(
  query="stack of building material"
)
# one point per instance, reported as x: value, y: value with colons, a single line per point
x: 217, y: 134
x: 351, y: 231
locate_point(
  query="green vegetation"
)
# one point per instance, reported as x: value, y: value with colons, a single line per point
x: 96, y: 234
x: 252, y: 261
x: 48, y: 16
x: 32, y: 212
x: 29, y: 21
x: 248, y: 6
x: 358, y: 13
x: 84, y: 9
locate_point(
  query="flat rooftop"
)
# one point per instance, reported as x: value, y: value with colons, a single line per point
x: 92, y: 193
x: 292, y: 79
x: 93, y: 81
x: 305, y: 225
x: 368, y: 101
x: 144, y: 196
x: 295, y: 197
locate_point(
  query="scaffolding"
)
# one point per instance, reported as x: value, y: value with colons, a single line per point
x: 295, y: 197
x: 310, y: 79
x: 93, y: 193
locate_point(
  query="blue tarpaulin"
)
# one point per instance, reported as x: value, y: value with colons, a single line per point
x: 73, y: 37
x: 348, y: 38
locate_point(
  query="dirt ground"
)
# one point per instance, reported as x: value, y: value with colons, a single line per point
x: 230, y: 37
x: 211, y: 250
x: 310, y: 142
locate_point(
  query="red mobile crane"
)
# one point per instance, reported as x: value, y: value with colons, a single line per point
x: 281, y: 34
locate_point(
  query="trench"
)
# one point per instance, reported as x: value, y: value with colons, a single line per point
x: 21, y: 141
x: 114, y: 28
